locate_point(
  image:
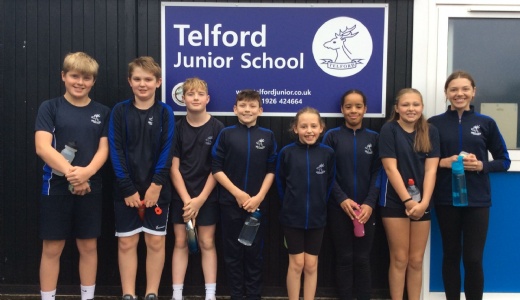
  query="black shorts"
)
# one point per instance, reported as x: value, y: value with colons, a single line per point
x: 208, y: 214
x: 391, y: 212
x: 128, y: 222
x: 303, y: 240
x: 70, y: 216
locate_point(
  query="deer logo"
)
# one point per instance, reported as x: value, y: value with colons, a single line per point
x: 342, y: 47
x: 343, y: 58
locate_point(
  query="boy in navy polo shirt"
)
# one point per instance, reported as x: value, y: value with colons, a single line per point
x: 70, y: 204
x: 244, y: 161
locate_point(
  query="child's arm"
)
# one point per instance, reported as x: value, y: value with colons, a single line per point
x: 430, y: 175
x: 254, y: 202
x: 394, y: 176
x: 192, y: 207
x: 239, y: 195
x: 44, y: 149
x: 79, y: 176
x: 164, y: 162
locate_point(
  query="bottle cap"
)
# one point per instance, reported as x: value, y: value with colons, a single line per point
x: 457, y: 167
x: 72, y: 145
x: 411, y: 182
x: 256, y: 214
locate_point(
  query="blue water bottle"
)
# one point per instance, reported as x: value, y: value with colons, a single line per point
x: 458, y: 180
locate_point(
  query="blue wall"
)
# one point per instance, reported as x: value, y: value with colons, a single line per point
x: 501, y: 258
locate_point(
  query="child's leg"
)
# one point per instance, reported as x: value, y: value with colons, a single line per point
x: 88, y: 260
x: 154, y: 261
x: 127, y: 257
x: 294, y: 274
x: 310, y: 278
x: 50, y: 264
x: 232, y: 221
x: 209, y: 258
x: 179, y: 259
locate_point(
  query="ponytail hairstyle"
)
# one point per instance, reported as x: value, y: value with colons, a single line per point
x: 422, y: 137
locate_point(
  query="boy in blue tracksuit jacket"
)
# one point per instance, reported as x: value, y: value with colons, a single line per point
x: 244, y: 158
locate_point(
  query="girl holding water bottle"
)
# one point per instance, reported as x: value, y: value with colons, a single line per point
x: 409, y: 149
x: 354, y: 197
x: 304, y: 175
x: 464, y: 229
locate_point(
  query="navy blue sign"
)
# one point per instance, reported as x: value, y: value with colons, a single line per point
x: 293, y: 55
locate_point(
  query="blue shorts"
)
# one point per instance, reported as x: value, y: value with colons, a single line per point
x: 128, y: 222
x: 208, y: 214
x: 70, y: 216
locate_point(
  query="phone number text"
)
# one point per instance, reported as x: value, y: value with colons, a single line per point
x: 282, y: 101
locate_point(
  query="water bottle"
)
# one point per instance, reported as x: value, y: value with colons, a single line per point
x: 68, y: 152
x: 413, y: 190
x: 251, y: 225
x: 458, y: 182
x: 191, y: 233
x: 359, y: 228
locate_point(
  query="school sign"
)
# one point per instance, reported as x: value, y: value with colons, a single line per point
x: 293, y: 55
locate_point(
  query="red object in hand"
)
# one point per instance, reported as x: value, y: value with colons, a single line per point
x: 140, y: 210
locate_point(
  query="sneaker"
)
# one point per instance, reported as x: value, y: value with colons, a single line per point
x: 151, y: 297
x: 129, y: 297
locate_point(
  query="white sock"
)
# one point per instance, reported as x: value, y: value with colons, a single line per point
x: 87, y: 292
x: 50, y: 295
x: 177, y: 291
x: 210, y: 291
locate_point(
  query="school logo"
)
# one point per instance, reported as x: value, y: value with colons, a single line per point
x: 150, y: 121
x: 342, y: 47
x: 177, y: 94
x: 209, y: 140
x: 475, y: 130
x: 260, y: 144
x: 320, y: 169
x: 95, y: 119
x: 368, y: 149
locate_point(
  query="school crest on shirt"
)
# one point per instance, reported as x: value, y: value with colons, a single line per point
x: 209, y: 140
x: 320, y: 169
x: 95, y: 119
x: 260, y: 144
x: 150, y: 121
x: 368, y: 149
x: 475, y: 130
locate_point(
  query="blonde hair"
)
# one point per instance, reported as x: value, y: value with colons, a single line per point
x: 81, y: 62
x: 422, y: 136
x: 194, y: 83
x: 147, y: 63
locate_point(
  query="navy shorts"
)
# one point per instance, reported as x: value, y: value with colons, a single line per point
x: 70, y: 216
x: 391, y: 212
x: 128, y: 222
x: 303, y: 240
x: 208, y: 214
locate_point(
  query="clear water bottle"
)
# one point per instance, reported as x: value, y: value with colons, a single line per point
x: 68, y: 152
x: 250, y: 228
x: 359, y: 228
x: 413, y: 190
x: 458, y: 181
x: 191, y: 233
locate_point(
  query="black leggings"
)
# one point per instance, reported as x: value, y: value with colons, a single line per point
x: 352, y: 255
x: 463, y: 232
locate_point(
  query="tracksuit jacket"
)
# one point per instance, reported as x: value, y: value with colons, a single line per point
x: 304, y: 177
x: 356, y: 154
x: 473, y: 133
x: 245, y: 155
x: 141, y: 148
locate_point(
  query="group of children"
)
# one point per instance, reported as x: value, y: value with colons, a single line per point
x: 171, y: 169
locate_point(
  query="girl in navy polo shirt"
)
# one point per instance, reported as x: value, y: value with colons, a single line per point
x: 409, y: 149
